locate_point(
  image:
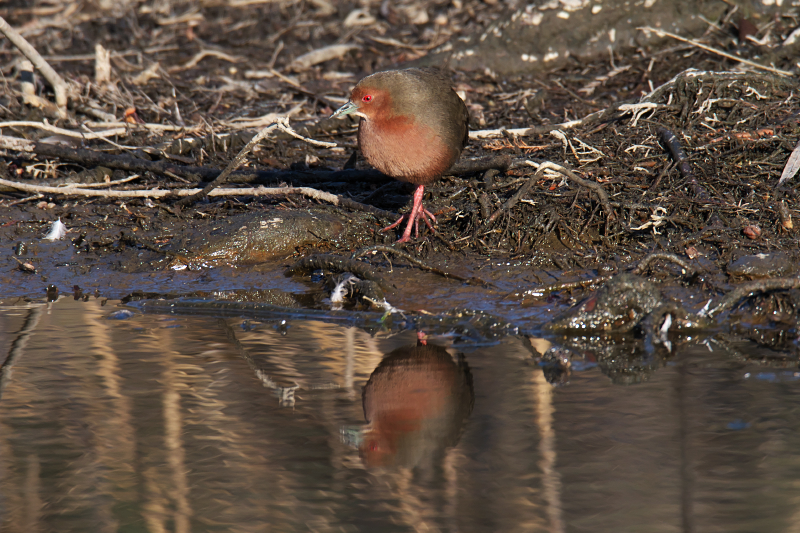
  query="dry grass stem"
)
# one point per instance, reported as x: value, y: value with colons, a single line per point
x: 199, y: 56
x: 743, y: 61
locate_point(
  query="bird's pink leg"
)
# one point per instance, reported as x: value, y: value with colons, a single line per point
x: 412, y: 217
x: 417, y: 212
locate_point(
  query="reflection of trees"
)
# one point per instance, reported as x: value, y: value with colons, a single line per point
x: 138, y: 422
x: 18, y: 344
x: 158, y: 423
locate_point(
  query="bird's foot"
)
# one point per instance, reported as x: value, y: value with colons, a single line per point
x: 427, y: 217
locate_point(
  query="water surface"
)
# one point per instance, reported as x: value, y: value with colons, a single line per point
x: 183, y: 423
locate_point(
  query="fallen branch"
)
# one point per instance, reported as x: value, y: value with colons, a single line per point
x: 131, y: 163
x: 93, y: 158
x: 56, y: 81
x: 598, y: 189
x: 66, y: 133
x: 71, y: 190
x: 649, y: 259
x: 282, y: 123
x: 637, y: 270
x: 511, y: 202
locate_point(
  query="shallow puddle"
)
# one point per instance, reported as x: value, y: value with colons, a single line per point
x: 124, y: 421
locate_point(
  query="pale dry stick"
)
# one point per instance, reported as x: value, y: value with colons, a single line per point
x: 147, y: 74
x: 522, y: 132
x: 589, y: 89
x: 320, y: 55
x: 199, y: 56
x: 61, y: 131
x: 103, y: 184
x: 245, y: 3
x: 117, y: 145
x: 260, y: 122
x: 133, y: 127
x: 286, y: 79
x: 637, y: 110
x: 398, y: 44
x: 28, y: 89
x: 59, y: 85
x: 16, y: 143
x: 274, y: 58
x: 160, y: 193
x: 284, y: 127
x: 662, y: 33
x: 23, y: 200
x: 281, y: 123
x: 193, y: 15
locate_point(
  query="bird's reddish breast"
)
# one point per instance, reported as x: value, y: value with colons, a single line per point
x: 404, y: 149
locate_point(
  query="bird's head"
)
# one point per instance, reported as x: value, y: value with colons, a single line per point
x: 366, y: 101
x: 383, y: 96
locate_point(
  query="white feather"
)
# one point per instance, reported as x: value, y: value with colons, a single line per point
x: 57, y: 231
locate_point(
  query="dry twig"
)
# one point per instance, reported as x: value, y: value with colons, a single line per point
x: 281, y: 123
x: 601, y: 193
x: 59, y: 85
x: 662, y: 33
x: 71, y: 190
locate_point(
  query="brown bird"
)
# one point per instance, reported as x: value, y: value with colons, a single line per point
x: 413, y: 127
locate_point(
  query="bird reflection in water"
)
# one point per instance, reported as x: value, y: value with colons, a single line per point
x: 416, y: 403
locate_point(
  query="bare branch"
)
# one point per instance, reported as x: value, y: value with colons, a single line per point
x: 58, y: 83
x: 281, y: 123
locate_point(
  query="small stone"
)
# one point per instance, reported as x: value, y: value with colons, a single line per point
x: 752, y: 232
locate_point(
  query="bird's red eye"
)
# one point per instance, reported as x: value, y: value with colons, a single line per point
x: 367, y: 98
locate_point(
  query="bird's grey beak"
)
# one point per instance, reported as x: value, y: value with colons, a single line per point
x: 346, y: 109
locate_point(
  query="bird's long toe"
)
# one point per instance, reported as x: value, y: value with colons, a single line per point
x: 394, y: 225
